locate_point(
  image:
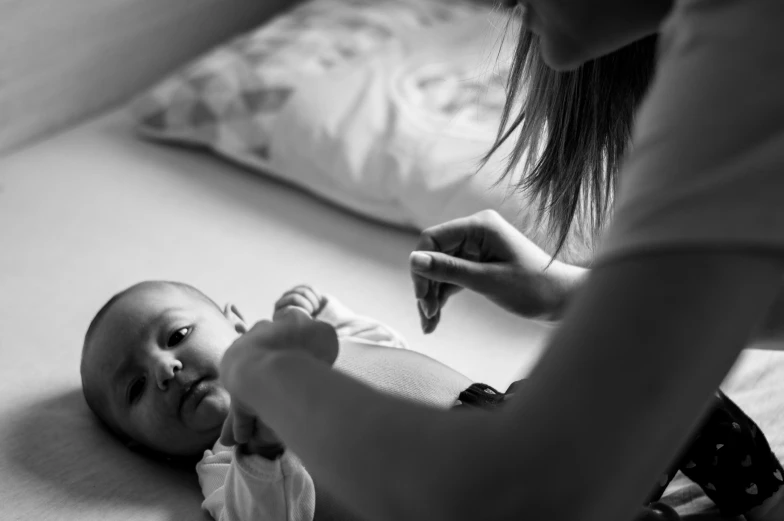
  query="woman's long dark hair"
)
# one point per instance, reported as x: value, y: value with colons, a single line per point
x: 574, y: 129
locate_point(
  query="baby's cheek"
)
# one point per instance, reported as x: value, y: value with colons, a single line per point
x: 212, y: 410
x: 149, y: 426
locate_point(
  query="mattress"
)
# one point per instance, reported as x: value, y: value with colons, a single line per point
x: 94, y: 210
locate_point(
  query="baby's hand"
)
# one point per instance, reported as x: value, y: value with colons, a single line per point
x: 347, y: 323
x: 302, y: 297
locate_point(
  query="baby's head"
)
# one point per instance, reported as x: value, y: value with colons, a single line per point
x: 150, y: 366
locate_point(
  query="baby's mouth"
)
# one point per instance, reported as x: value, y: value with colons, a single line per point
x: 189, y: 393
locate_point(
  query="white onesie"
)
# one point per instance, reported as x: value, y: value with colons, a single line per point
x: 240, y: 487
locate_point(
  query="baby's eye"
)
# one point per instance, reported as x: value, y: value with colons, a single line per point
x: 178, y: 336
x: 136, y: 389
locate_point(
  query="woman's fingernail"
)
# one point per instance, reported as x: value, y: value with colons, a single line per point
x: 428, y: 309
x: 429, y: 327
x: 420, y: 261
x: 425, y: 309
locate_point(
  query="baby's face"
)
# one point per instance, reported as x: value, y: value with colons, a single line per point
x: 153, y: 362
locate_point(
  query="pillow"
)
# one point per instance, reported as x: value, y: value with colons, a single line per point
x: 384, y: 107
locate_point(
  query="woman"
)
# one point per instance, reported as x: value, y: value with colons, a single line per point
x: 685, y: 275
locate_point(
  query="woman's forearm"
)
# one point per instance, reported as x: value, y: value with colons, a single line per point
x: 387, y: 458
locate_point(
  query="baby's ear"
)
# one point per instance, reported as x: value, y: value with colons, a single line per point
x: 233, y: 315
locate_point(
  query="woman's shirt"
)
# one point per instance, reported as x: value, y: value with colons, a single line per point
x: 706, y: 169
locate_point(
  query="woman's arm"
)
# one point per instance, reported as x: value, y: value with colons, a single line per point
x: 624, y: 381
x: 643, y: 345
x: 567, y: 279
x: 771, y: 333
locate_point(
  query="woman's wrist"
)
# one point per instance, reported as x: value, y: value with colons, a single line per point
x: 565, y: 280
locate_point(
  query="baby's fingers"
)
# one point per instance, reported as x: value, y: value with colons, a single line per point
x: 293, y: 314
x: 303, y: 297
x: 295, y: 300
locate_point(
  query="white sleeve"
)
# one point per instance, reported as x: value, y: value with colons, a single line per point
x: 239, y: 487
x: 706, y: 167
x: 350, y: 325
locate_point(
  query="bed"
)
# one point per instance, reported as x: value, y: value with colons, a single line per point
x: 87, y: 208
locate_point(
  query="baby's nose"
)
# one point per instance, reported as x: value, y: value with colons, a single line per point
x: 165, y: 371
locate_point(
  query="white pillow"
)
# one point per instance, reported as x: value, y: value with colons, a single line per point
x: 384, y: 107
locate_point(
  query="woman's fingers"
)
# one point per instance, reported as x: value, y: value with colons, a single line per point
x: 430, y: 307
x: 445, y: 293
x: 437, y: 273
x: 452, y: 236
x: 243, y: 428
x: 437, y: 296
x: 429, y: 313
x: 429, y: 324
x: 227, y: 432
x: 238, y: 427
x: 243, y: 425
x: 446, y: 268
x: 419, y: 259
x: 462, y: 238
x: 296, y: 330
x: 448, y: 238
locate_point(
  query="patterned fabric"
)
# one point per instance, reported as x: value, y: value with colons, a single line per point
x: 729, y: 457
x: 230, y: 97
x: 479, y: 396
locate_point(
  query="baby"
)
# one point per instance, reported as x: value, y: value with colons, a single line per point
x: 150, y: 373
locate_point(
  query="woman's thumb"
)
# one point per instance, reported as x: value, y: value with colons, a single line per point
x: 440, y: 267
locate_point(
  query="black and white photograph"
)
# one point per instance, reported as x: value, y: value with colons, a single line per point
x: 391, y: 260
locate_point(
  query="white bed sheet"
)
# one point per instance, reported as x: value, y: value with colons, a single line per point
x: 94, y: 210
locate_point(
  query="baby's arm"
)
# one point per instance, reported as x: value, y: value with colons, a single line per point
x: 242, y: 487
x: 347, y: 324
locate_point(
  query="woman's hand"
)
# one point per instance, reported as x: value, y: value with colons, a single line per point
x: 486, y: 254
x: 293, y: 329
x: 244, y: 429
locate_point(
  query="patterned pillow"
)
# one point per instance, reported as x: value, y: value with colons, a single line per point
x: 384, y: 107
x: 231, y: 97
